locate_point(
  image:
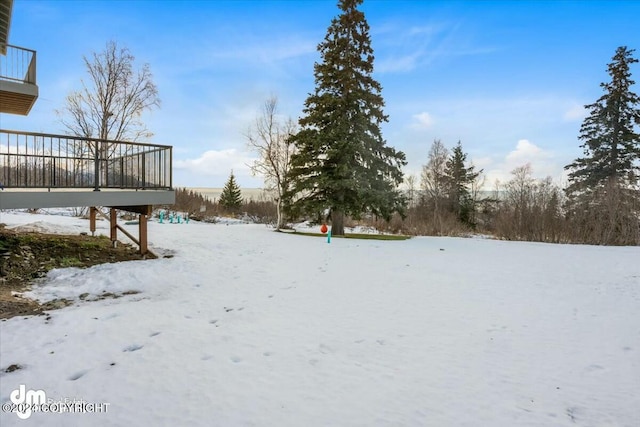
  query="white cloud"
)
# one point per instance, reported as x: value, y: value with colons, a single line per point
x: 264, y: 51
x: 482, y: 162
x: 214, y: 166
x: 400, y: 63
x: 543, y: 163
x: 526, y: 152
x: 422, y: 120
x: 575, y: 113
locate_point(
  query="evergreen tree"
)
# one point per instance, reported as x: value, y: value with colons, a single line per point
x: 458, y: 180
x: 604, y: 193
x: 231, y: 196
x: 343, y: 163
x: 611, y: 141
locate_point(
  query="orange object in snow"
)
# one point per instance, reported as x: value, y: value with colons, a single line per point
x: 324, y: 228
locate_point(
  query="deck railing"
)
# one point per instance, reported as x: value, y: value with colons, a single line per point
x: 37, y: 160
x: 18, y: 65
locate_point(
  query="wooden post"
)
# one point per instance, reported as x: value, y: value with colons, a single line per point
x: 143, y: 233
x: 92, y: 220
x: 113, y: 223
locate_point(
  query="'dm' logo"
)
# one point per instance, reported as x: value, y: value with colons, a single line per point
x: 26, y: 399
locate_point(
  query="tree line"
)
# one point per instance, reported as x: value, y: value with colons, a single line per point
x: 333, y: 164
x: 338, y: 164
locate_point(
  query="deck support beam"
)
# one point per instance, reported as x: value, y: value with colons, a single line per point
x: 142, y: 233
x: 113, y: 226
x: 92, y: 220
x: 142, y: 240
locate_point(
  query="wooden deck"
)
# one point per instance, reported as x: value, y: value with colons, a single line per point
x: 52, y: 171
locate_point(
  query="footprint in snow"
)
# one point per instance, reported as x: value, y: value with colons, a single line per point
x: 154, y: 334
x: 594, y: 368
x: 324, y: 349
x: 235, y: 359
x: 213, y: 321
x: 78, y: 375
x: 132, y: 347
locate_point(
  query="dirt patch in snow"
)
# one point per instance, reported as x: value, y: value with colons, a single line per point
x: 28, y: 256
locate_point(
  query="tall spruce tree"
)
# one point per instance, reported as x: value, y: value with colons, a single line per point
x: 458, y: 181
x: 343, y: 163
x: 611, y: 140
x: 231, y: 196
x: 604, y: 188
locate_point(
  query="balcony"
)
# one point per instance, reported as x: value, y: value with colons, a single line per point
x: 43, y: 170
x: 18, y: 89
x: 47, y: 171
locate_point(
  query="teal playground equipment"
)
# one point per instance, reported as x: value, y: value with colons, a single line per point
x: 173, y: 217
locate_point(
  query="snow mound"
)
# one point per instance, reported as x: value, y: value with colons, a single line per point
x: 46, y: 228
x: 90, y: 283
x: 234, y: 221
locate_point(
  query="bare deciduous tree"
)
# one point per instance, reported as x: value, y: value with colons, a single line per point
x: 475, y: 193
x: 609, y: 215
x: 110, y: 104
x: 520, y: 198
x: 434, y: 179
x: 270, y: 138
x: 530, y: 209
x: 411, y: 186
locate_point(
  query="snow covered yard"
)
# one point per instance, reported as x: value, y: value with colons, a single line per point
x: 246, y: 327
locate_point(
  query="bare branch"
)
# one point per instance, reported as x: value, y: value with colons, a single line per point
x: 271, y: 140
x: 112, y: 101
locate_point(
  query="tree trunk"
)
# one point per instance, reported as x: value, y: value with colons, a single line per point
x: 279, y: 221
x: 337, y: 223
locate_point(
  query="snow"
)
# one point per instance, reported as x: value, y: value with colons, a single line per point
x: 244, y: 326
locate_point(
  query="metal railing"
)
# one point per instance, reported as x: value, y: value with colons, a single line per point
x: 37, y: 160
x: 18, y: 65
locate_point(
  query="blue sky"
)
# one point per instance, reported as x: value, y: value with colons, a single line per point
x: 507, y: 78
